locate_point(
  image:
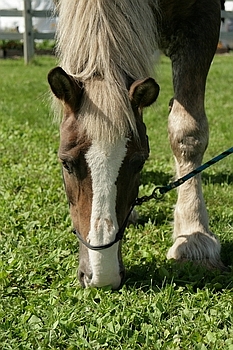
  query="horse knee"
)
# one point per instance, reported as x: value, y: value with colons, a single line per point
x: 188, y: 134
x: 188, y: 148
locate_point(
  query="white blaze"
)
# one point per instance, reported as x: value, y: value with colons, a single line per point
x: 104, y: 163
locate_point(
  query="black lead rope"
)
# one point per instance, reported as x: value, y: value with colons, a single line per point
x: 119, y: 236
x: 157, y: 194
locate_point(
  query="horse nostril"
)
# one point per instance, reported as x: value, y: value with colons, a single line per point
x: 84, y: 278
x: 81, y: 277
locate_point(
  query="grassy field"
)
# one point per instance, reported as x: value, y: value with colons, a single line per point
x: 163, y: 305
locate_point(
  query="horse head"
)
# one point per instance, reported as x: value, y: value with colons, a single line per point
x: 101, y: 174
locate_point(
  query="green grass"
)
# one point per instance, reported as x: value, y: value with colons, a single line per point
x: 163, y: 305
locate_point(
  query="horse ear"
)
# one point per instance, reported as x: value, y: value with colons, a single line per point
x: 64, y: 86
x: 144, y: 92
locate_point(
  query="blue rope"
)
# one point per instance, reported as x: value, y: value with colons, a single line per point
x: 159, y: 191
x: 196, y: 171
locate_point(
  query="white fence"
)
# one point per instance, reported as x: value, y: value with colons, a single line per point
x: 226, y: 34
x: 29, y: 35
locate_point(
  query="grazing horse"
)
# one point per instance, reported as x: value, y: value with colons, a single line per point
x: 105, y: 51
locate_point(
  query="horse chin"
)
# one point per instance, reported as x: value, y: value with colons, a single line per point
x: 86, y: 281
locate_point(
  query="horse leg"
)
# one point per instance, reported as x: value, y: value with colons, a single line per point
x: 191, y: 56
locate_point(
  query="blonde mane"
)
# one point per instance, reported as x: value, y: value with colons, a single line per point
x: 100, y: 43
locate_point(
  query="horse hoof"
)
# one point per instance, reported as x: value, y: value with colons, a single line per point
x: 201, y: 248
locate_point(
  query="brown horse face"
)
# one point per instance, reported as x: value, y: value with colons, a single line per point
x: 101, y: 180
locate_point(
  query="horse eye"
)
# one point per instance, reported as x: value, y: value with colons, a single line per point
x: 66, y: 166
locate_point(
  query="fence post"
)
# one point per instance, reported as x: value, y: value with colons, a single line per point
x: 28, y: 33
